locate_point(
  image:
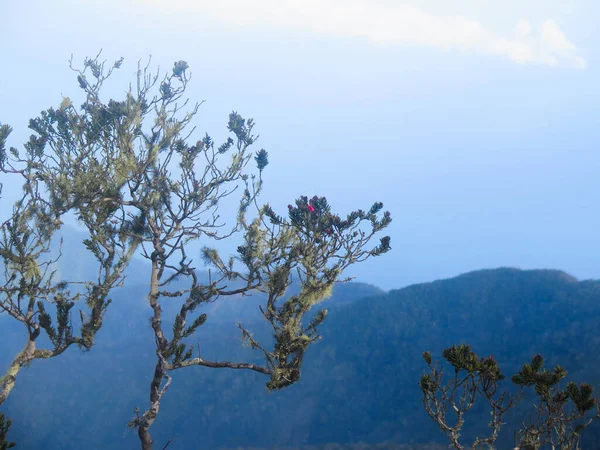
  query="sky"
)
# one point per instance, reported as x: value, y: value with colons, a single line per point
x: 476, y: 123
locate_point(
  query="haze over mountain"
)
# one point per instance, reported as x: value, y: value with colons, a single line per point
x: 475, y: 123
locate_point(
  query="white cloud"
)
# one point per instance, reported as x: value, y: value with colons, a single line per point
x: 555, y: 38
x: 392, y: 25
x: 523, y: 28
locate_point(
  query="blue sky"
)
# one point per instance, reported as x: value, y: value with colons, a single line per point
x: 476, y: 123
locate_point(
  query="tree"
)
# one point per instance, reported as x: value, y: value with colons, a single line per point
x: 558, y: 417
x: 4, y: 426
x: 31, y: 295
x: 128, y: 170
x: 29, y: 290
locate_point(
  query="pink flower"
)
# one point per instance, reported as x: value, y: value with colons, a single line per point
x: 311, y: 208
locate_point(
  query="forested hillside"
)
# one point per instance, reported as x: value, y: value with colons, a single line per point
x: 359, y: 384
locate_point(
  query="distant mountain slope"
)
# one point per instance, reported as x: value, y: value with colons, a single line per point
x: 358, y: 385
x: 78, y: 264
x: 509, y: 313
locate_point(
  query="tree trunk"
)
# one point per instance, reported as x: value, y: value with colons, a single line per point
x: 145, y: 438
x: 7, y: 381
x: 160, y: 373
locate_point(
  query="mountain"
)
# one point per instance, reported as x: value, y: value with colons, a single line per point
x: 76, y: 263
x: 358, y: 385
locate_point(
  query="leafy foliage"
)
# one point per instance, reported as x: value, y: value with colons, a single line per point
x: 129, y: 172
x: 551, y: 423
x: 556, y: 421
x: 4, y: 426
x: 473, y: 376
x: 315, y: 245
x: 30, y: 292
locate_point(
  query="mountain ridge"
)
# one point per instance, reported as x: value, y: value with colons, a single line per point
x: 359, y: 384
